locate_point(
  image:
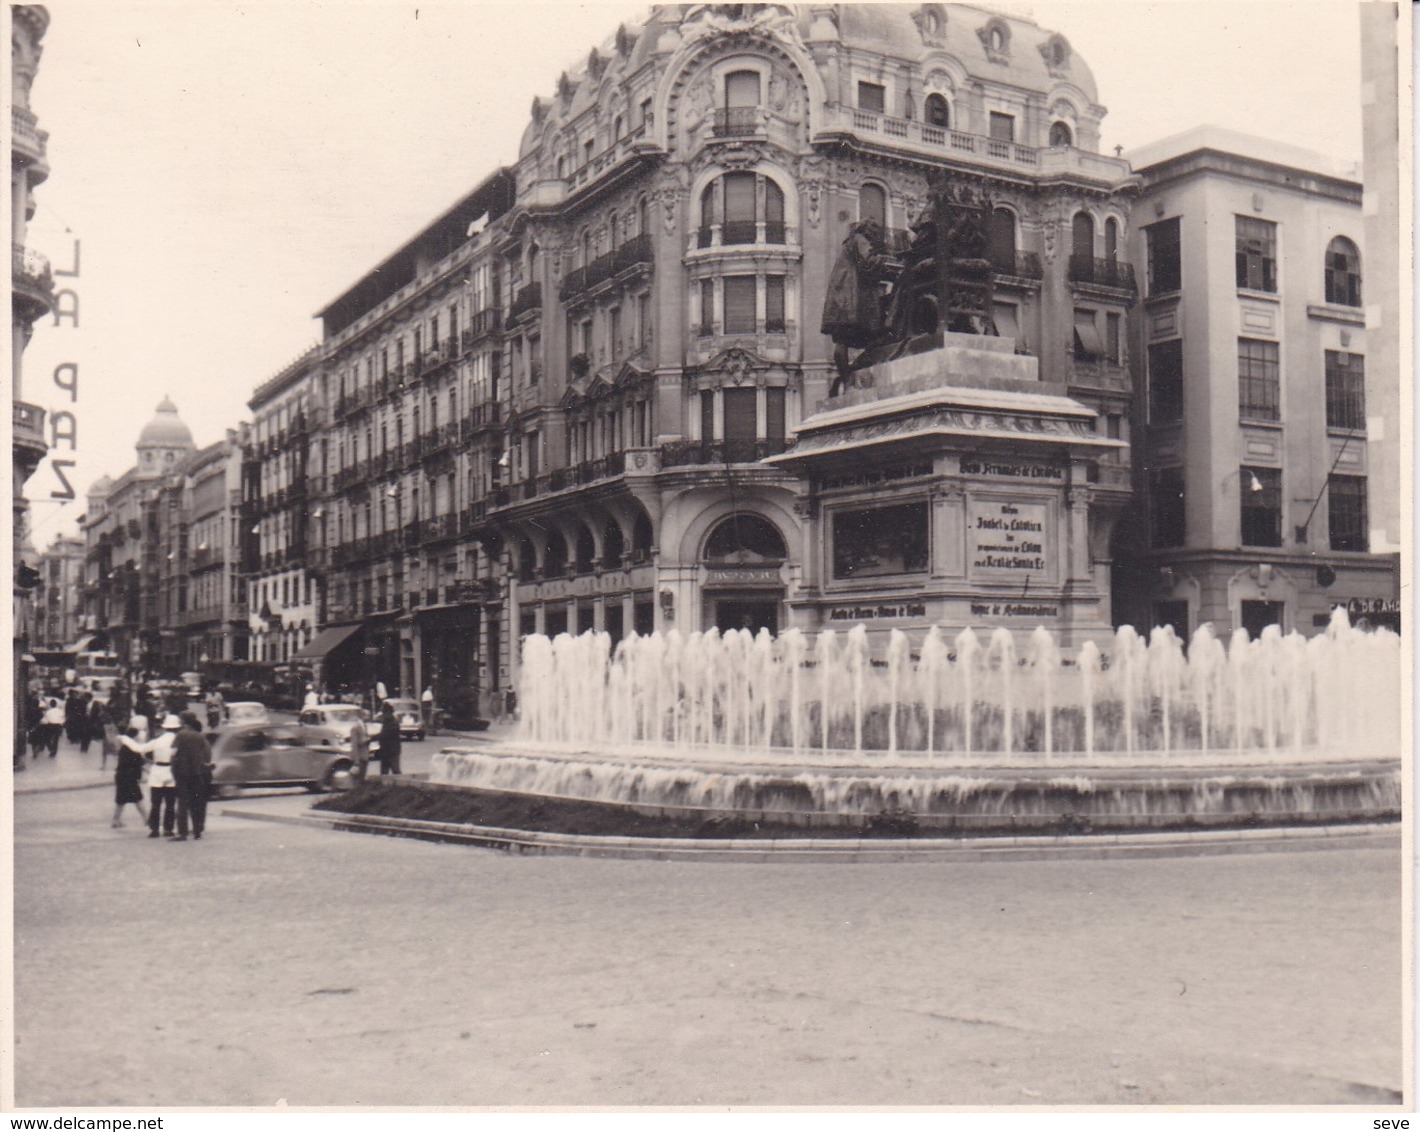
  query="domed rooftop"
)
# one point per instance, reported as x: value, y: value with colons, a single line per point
x: 166, y: 429
x: 101, y: 487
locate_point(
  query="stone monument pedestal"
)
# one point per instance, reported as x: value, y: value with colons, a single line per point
x: 954, y: 488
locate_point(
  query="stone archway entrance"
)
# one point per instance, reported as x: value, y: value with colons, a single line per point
x: 744, y: 586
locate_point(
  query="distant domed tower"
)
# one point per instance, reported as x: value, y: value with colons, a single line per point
x: 164, y: 441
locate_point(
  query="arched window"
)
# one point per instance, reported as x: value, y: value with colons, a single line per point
x: 707, y: 214
x: 527, y: 561
x: 642, y: 217
x: 1001, y: 241
x: 938, y: 113
x: 586, y: 551
x: 616, y: 128
x: 555, y: 561
x: 611, y: 233
x: 642, y: 537
x: 872, y: 204
x: 740, y: 223
x: 745, y: 537
x: 1111, y: 240
x: 561, y: 168
x: 1343, y: 273
x: 1082, y: 247
x: 1060, y: 135
x: 586, y: 247
x: 613, y: 545
x: 773, y: 213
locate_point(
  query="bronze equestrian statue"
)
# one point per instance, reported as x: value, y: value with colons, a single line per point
x: 940, y: 283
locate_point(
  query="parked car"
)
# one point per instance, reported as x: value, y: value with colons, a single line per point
x: 277, y: 754
x: 340, y: 720
x: 411, y: 721
x: 247, y: 711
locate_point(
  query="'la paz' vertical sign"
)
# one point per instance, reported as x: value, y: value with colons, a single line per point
x: 63, y: 424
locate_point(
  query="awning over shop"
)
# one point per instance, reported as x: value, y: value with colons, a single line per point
x: 81, y: 645
x: 327, y: 641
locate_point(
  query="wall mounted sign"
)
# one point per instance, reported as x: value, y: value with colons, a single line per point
x: 1007, y: 538
x: 879, y: 612
x: 1013, y: 471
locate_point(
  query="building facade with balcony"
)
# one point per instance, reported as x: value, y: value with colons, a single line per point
x: 58, y: 611
x: 31, y: 298
x: 411, y: 396
x: 278, y: 508
x: 682, y: 198
x: 126, y: 528
x: 201, y: 596
x: 1252, y: 422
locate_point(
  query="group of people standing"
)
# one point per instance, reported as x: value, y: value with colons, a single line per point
x: 178, y: 760
x: 79, y: 716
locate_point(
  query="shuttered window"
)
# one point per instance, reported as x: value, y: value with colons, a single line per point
x: 739, y: 197
x: 774, y: 304
x: 739, y: 414
x: 774, y: 413
x: 739, y: 304
x: 742, y: 88
x: 707, y: 415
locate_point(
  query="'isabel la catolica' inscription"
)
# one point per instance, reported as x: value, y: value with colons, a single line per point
x: 1008, y: 536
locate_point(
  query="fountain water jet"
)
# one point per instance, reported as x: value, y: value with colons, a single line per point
x: 1142, y: 732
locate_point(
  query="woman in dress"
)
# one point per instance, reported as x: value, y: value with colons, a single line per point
x: 128, y: 778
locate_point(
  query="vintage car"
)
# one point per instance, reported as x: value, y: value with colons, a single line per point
x: 277, y: 754
x: 247, y: 711
x: 411, y: 721
x: 339, y: 719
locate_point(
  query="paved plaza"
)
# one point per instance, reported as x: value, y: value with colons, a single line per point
x: 269, y: 963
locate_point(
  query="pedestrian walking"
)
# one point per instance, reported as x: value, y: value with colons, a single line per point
x: 215, y: 709
x: 389, y: 741
x: 93, y: 726
x: 192, y: 776
x: 360, y: 749
x: 161, y: 787
x: 426, y: 702
x: 128, y: 777
x: 76, y: 713
x: 110, y: 737
x: 34, y: 724
x: 53, y: 726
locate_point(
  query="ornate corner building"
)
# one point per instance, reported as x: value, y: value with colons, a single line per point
x: 550, y: 411
x: 31, y: 298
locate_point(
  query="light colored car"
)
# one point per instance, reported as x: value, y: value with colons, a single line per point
x: 276, y: 754
x: 339, y: 719
x: 411, y: 720
x: 247, y: 711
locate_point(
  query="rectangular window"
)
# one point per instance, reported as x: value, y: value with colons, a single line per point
x: 1165, y: 257
x: 1345, y: 390
x: 1261, y: 509
x: 1346, y: 511
x: 1114, y: 337
x: 1166, y: 382
x: 774, y: 304
x: 532, y: 455
x: 742, y: 89
x: 643, y: 318
x: 707, y: 308
x: 880, y: 541
x: 587, y: 337
x: 1006, y: 316
x: 1088, y: 345
x: 1259, y: 387
x: 707, y: 415
x: 615, y: 333
x: 1257, y: 615
x: 741, y: 418
x: 1256, y: 254
x: 739, y: 304
x: 774, y: 403
x: 872, y: 97
x: 1166, y: 507
x: 647, y: 116
x: 1002, y: 127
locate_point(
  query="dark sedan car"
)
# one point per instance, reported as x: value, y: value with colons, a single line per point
x: 276, y: 754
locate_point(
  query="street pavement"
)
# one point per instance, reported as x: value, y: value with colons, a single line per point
x: 270, y: 963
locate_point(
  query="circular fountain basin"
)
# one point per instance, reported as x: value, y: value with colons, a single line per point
x: 942, y: 794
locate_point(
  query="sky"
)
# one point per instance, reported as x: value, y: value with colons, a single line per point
x: 220, y: 172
